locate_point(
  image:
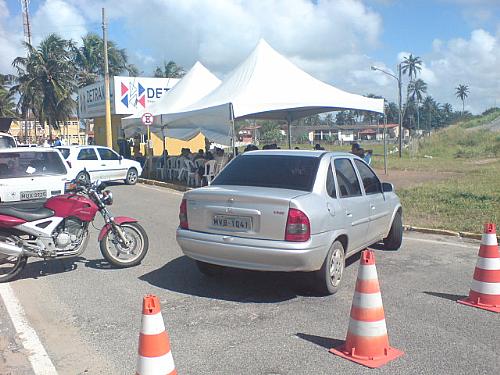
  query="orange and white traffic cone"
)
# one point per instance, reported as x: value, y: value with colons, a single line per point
x: 367, y: 342
x: 155, y: 356
x: 485, y: 289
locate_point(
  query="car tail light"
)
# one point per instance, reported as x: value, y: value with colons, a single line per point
x: 298, y: 227
x: 183, y: 217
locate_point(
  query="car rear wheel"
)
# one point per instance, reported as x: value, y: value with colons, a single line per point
x: 329, y: 276
x: 209, y: 269
x: 395, y: 238
x: 131, y: 176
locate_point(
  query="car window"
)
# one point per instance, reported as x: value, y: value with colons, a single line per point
x: 7, y: 142
x: 273, y: 171
x: 369, y: 179
x: 330, y: 183
x: 29, y: 164
x: 107, y: 154
x: 346, y: 178
x: 87, y: 154
x: 64, y: 152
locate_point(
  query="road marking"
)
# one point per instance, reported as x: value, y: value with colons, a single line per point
x: 440, y: 242
x: 163, y: 190
x: 38, y: 357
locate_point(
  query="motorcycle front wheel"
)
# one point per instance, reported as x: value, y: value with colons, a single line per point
x: 120, y: 255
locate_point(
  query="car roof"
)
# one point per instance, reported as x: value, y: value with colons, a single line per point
x: 27, y: 149
x: 307, y: 153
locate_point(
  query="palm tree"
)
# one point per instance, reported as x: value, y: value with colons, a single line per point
x: 46, y: 80
x: 7, y: 105
x: 170, y: 70
x: 89, y: 59
x: 462, y: 91
x: 411, y: 65
x: 429, y: 107
x: 417, y: 89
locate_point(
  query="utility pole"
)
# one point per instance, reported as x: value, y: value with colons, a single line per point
x: 109, y: 133
x: 27, y: 38
x: 400, y: 113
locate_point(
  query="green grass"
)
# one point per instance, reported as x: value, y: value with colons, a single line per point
x: 461, y: 203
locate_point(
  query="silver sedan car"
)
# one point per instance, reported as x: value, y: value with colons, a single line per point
x: 289, y: 210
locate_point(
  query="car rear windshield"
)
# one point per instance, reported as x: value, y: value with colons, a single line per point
x: 29, y: 164
x: 273, y: 171
x: 64, y: 152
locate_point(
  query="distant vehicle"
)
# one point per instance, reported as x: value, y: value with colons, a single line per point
x: 32, y: 173
x: 285, y: 210
x: 7, y: 141
x: 92, y: 163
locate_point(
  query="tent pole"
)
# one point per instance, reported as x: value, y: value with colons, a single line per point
x: 233, y: 130
x: 289, y: 130
x: 164, y: 151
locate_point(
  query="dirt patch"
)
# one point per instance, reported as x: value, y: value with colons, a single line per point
x: 483, y: 161
x: 405, y: 179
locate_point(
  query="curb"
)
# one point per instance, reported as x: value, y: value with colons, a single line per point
x: 474, y: 236
x: 167, y: 185
x: 408, y: 228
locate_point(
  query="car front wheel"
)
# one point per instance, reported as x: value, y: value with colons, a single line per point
x: 395, y: 238
x: 329, y: 276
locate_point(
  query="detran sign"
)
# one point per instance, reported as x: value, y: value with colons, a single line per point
x: 133, y: 94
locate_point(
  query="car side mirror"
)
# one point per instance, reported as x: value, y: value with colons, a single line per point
x: 387, y: 187
x: 120, y: 157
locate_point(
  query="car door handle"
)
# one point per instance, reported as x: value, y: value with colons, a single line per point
x: 348, y: 214
x: 103, y: 165
x: 373, y: 207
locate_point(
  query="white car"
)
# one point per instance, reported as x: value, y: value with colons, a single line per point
x: 32, y: 173
x: 91, y: 163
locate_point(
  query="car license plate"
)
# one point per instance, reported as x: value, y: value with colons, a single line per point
x: 241, y: 223
x: 35, y: 194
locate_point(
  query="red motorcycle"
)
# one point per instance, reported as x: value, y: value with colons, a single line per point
x: 61, y: 229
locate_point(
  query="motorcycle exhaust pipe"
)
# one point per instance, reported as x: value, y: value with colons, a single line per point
x: 11, y: 250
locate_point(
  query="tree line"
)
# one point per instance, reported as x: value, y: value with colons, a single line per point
x: 48, y: 77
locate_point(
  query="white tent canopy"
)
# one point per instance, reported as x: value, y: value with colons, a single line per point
x: 197, y: 83
x: 264, y: 86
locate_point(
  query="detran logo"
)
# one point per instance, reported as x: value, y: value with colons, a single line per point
x: 133, y: 95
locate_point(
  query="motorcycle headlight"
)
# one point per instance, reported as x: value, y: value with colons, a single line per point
x: 107, y: 197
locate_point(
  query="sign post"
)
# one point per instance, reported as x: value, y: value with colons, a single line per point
x: 147, y: 119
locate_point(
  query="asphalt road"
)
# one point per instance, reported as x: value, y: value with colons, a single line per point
x: 88, y: 315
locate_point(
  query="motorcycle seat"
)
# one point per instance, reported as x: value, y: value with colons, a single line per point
x: 28, y: 214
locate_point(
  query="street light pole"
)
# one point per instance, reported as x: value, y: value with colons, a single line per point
x: 400, y: 112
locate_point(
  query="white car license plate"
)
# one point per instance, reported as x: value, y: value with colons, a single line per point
x: 241, y: 223
x: 35, y: 194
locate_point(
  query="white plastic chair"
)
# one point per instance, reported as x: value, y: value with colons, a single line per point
x: 199, y: 162
x: 169, y: 170
x: 159, y: 169
x: 191, y: 173
x: 209, y: 174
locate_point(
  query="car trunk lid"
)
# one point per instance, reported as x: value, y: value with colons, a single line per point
x: 241, y: 211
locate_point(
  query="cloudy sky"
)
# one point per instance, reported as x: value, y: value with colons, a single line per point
x: 335, y: 40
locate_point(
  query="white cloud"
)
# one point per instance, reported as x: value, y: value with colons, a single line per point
x: 11, y: 38
x: 473, y: 62
x: 60, y: 17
